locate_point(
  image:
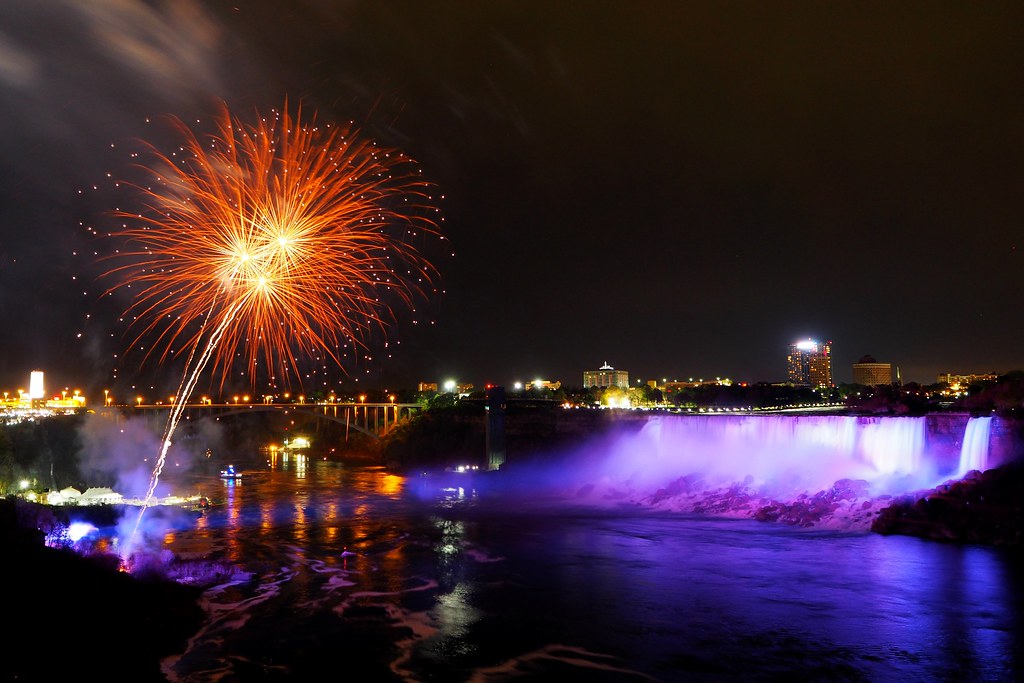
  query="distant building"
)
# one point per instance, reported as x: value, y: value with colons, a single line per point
x: 870, y: 372
x: 35, y: 385
x: 821, y: 370
x: 453, y: 387
x: 450, y: 387
x: 676, y: 385
x: 963, y: 381
x: 543, y: 384
x: 605, y: 377
x: 809, y: 363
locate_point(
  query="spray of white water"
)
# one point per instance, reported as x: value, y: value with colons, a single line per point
x: 974, y: 451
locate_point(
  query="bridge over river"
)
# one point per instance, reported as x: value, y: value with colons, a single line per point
x: 372, y: 419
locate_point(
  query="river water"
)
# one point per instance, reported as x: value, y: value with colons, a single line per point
x: 353, y: 573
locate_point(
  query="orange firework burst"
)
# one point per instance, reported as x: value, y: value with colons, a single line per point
x: 275, y: 240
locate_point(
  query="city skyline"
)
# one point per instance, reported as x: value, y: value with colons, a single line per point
x: 76, y: 393
x: 681, y: 189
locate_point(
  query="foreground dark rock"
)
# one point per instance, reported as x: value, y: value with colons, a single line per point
x: 72, y: 615
x: 984, y: 508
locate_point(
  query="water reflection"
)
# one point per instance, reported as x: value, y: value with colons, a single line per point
x: 347, y: 563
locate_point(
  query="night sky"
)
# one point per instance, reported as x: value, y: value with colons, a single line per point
x: 677, y: 189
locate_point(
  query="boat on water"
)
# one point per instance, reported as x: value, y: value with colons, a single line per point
x: 230, y: 473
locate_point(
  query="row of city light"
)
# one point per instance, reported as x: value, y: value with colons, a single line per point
x: 77, y: 399
x: 266, y: 399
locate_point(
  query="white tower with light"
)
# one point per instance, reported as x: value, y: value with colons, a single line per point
x: 35, y: 385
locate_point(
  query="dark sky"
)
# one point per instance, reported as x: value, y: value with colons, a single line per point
x: 677, y: 189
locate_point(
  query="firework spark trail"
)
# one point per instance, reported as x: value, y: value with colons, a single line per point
x: 188, y: 383
x: 285, y: 238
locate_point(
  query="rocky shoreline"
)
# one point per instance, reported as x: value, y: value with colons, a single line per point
x: 985, y: 508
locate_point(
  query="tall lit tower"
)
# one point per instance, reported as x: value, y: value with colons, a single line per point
x: 798, y: 361
x: 821, y: 367
x: 35, y: 385
x: 809, y: 363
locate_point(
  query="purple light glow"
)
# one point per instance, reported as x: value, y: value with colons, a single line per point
x: 846, y: 467
x: 79, y: 530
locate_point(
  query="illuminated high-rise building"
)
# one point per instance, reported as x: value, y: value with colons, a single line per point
x: 810, y: 363
x: 35, y: 385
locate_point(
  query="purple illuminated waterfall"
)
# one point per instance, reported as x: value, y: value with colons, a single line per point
x: 785, y: 456
x: 974, y: 452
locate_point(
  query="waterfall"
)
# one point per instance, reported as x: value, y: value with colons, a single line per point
x: 893, y: 445
x: 790, y: 454
x: 974, y: 452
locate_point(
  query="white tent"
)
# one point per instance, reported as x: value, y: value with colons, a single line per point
x: 55, y: 498
x: 67, y: 496
x: 97, y: 495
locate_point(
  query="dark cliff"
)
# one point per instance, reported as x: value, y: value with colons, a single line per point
x: 442, y: 438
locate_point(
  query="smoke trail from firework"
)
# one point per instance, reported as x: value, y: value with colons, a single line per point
x: 278, y: 240
x: 188, y: 383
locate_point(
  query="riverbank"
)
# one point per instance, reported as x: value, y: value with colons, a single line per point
x: 78, y: 616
